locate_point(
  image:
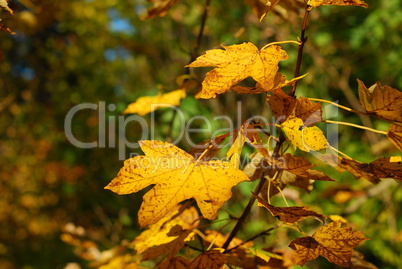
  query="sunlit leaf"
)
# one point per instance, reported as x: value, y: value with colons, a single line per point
x: 317, y: 3
x: 331, y: 241
x: 177, y: 177
x: 234, y: 152
x: 4, y: 5
x: 304, y: 138
x: 236, y: 63
x: 147, y: 104
x: 171, y: 248
x: 291, y: 214
x: 381, y: 101
x: 158, y: 233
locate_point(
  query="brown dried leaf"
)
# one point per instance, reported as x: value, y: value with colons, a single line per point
x: 358, y: 262
x: 309, y: 112
x: 283, y: 106
x: 291, y: 214
x: 211, y: 259
x: 331, y: 241
x: 175, y: 263
x: 381, y: 101
x: 300, y: 167
x: 395, y: 135
x: 390, y: 167
x: 160, y: 8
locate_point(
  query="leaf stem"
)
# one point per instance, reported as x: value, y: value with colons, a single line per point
x: 281, y: 42
x: 338, y: 105
x: 303, y: 40
x: 245, y: 213
x: 356, y: 126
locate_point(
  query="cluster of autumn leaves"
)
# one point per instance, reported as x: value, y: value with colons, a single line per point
x: 177, y: 175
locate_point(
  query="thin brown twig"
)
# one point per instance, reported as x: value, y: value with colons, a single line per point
x: 192, y: 58
x: 246, y: 212
x: 303, y: 40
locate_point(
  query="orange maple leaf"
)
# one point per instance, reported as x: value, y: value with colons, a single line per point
x: 177, y: 176
x: 236, y: 63
x: 331, y: 241
x: 290, y: 214
x: 381, y: 101
x: 317, y: 3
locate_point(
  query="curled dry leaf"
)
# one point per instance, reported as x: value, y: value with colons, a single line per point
x: 283, y: 106
x: 160, y: 8
x: 291, y: 214
x: 177, y: 176
x: 389, y: 167
x: 317, y: 3
x: 395, y: 135
x: 279, y: 82
x: 236, y: 63
x: 381, y: 101
x: 300, y: 167
x: 147, y: 104
x: 331, y: 241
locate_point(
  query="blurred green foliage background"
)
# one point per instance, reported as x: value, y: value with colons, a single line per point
x: 65, y: 53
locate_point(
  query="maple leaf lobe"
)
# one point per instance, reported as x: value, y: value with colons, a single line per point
x: 177, y: 176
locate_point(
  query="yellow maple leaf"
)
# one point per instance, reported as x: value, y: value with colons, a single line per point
x: 236, y: 63
x: 177, y: 176
x: 147, y: 104
x: 317, y: 3
x: 158, y: 233
x: 304, y: 138
x: 331, y: 241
